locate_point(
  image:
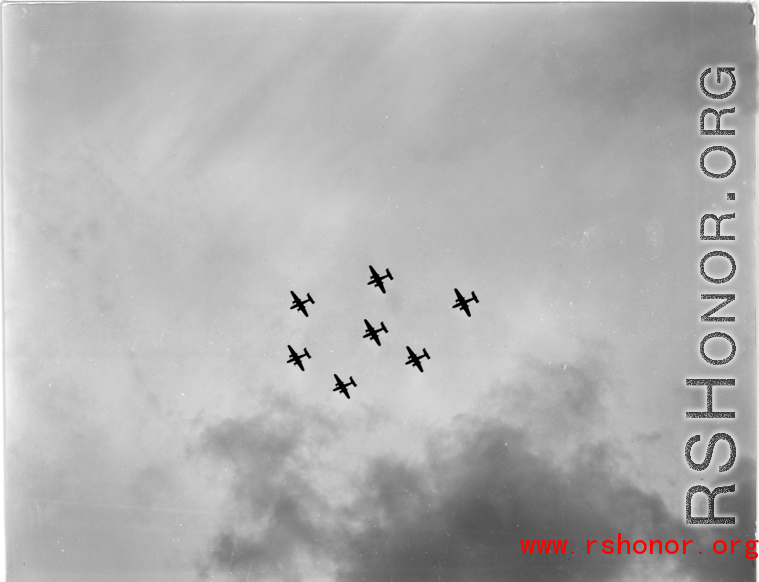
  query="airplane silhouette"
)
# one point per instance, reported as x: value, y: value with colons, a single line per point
x: 373, y: 334
x: 300, y: 305
x: 376, y: 278
x: 461, y: 303
x: 296, y: 359
x: 343, y: 386
x: 415, y: 360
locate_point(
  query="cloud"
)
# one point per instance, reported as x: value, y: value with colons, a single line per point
x: 485, y: 483
x: 272, y: 456
x: 462, y: 516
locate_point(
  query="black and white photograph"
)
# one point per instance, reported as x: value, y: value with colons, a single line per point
x: 379, y: 292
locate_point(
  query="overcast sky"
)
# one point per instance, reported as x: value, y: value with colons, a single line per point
x: 173, y: 171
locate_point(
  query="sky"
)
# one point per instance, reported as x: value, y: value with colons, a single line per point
x: 173, y: 171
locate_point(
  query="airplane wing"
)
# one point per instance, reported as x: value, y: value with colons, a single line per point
x: 380, y: 284
x: 374, y: 273
x: 465, y: 307
x: 459, y: 296
x: 338, y: 380
x: 292, y: 352
x: 295, y: 297
x: 300, y: 365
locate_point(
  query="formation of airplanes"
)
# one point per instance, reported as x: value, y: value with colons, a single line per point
x: 372, y: 333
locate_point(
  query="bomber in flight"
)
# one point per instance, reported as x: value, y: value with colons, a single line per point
x: 376, y: 278
x: 373, y: 334
x: 343, y: 386
x: 415, y: 360
x: 296, y: 359
x: 461, y: 302
x: 299, y: 304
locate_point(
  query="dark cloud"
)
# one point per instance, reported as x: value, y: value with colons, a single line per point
x: 461, y: 517
x: 271, y: 455
x: 460, y: 512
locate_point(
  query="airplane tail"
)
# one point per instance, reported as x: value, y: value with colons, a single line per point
x: 309, y: 298
x: 424, y: 351
x: 475, y: 297
x: 352, y: 381
x: 305, y: 351
x: 382, y: 326
x: 388, y: 274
